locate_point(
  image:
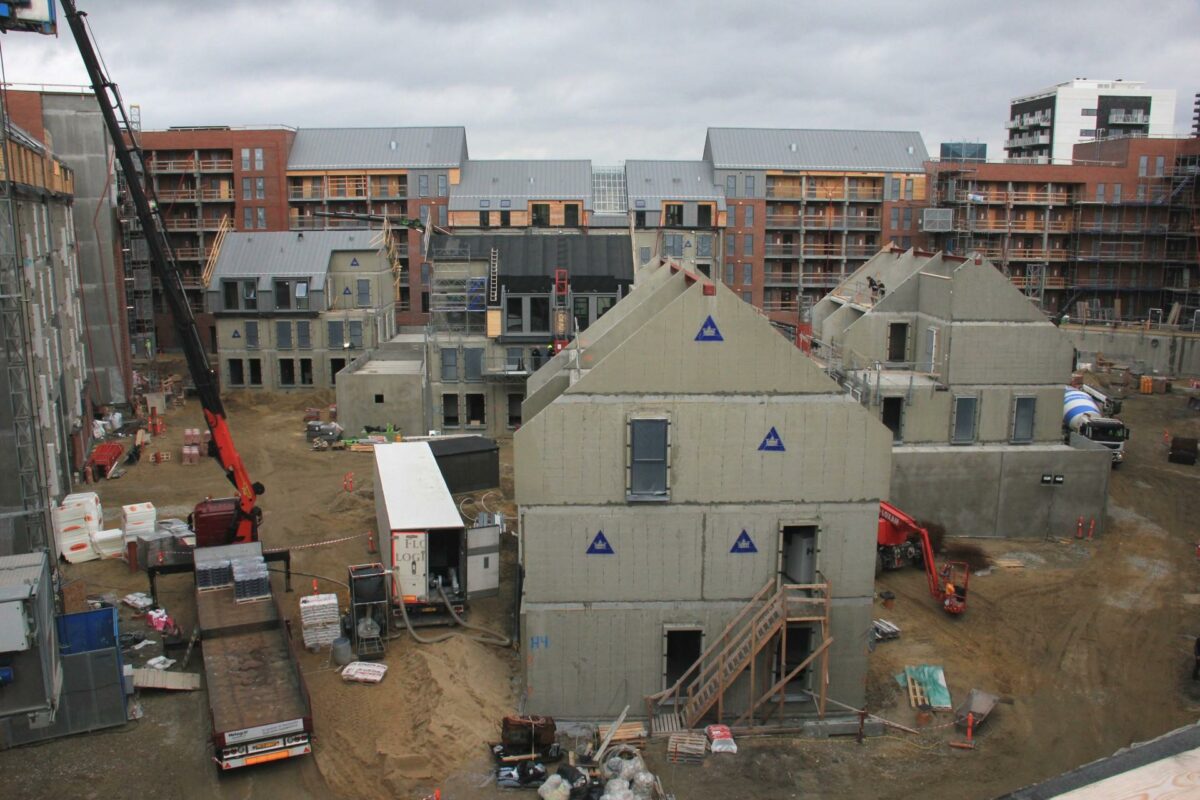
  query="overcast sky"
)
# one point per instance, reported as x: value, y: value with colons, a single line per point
x: 616, y: 80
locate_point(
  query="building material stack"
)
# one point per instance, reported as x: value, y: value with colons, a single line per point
x: 320, y: 620
x: 251, y: 580
x: 76, y: 521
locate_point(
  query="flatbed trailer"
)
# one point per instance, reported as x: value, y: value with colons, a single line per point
x: 257, y: 699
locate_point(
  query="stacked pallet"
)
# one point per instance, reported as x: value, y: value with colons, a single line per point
x: 251, y: 580
x: 213, y: 574
x: 138, y: 519
x: 189, y: 454
x: 631, y: 733
x: 75, y: 522
x: 109, y: 543
x: 320, y: 619
x: 883, y: 630
x: 687, y: 747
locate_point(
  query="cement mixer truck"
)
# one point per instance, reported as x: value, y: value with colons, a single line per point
x: 1082, y: 416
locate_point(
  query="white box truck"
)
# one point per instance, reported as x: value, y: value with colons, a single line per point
x: 423, y: 541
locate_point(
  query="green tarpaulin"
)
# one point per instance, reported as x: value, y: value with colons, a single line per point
x: 932, y: 679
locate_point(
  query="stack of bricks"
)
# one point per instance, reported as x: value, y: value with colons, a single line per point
x: 191, y: 446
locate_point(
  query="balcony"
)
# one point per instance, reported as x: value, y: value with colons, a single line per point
x: 216, y: 165
x: 781, y: 250
x: 783, y: 220
x: 1131, y: 253
x: 824, y: 222
x: 1033, y: 140
x: 302, y: 193
x: 1013, y: 226
x: 774, y: 305
x: 216, y: 195
x: 786, y: 191
x: 865, y: 193
x: 864, y: 222
x: 1048, y: 282
x: 825, y: 193
x: 192, y: 253
x: 175, y: 195
x: 181, y: 224
x: 781, y: 277
x: 820, y: 279
x: 861, y: 250
x: 822, y: 251
x: 182, y: 165
x: 1023, y: 254
x: 387, y: 194
x: 1002, y: 197
x: 1128, y: 118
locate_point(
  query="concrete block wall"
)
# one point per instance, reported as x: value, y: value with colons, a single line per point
x: 1162, y: 352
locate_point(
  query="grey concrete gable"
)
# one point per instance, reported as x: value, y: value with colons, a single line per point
x: 981, y: 292
x: 677, y: 352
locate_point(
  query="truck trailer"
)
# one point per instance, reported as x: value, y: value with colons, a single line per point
x: 1082, y: 416
x: 259, y: 705
x: 435, y: 562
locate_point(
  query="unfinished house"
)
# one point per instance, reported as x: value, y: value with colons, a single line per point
x: 522, y: 194
x: 500, y: 306
x: 294, y: 308
x: 968, y: 376
x: 698, y: 512
x: 44, y: 435
x: 679, y: 214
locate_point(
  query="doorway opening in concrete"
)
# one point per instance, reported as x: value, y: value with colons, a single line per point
x: 892, y: 415
x: 336, y: 365
x: 799, y: 554
x: 794, y: 647
x: 682, y: 647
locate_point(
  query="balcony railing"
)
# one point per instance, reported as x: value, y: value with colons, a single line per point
x: 783, y: 220
x: 863, y: 222
x: 192, y: 253
x: 301, y: 193
x: 781, y: 277
x: 1024, y: 253
x: 1034, y: 197
x: 1013, y: 226
x: 181, y: 165
x: 823, y: 280
x: 216, y: 165
x: 785, y: 192
x: 1127, y: 118
x: 822, y: 221
x: 781, y: 250
x: 1048, y: 282
x: 181, y: 224
x: 216, y: 195
x: 775, y: 305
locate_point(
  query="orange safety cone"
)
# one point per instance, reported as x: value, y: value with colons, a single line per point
x: 314, y: 586
x: 348, y: 481
x: 371, y: 548
x: 1092, y: 529
x: 1079, y: 529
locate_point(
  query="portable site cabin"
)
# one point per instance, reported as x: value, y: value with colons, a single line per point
x: 422, y: 539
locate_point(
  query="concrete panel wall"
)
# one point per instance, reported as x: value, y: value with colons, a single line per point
x: 981, y: 292
x: 1153, y: 351
x: 687, y: 553
x: 997, y: 491
x: 832, y: 452
x: 403, y: 405
x: 996, y: 353
x: 591, y: 661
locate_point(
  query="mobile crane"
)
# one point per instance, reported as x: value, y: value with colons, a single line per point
x: 902, y: 541
x: 226, y: 521
x: 259, y: 707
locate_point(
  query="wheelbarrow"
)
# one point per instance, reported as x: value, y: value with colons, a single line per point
x: 978, y: 704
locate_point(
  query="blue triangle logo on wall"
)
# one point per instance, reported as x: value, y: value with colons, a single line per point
x: 346, y: 291
x: 354, y: 262
x: 600, y: 546
x: 743, y: 544
x: 237, y: 334
x: 709, y: 332
x: 772, y: 442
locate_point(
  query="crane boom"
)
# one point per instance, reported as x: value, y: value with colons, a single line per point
x: 163, y: 266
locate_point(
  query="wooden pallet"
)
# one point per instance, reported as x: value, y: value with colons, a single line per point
x: 667, y: 723
x: 1008, y: 563
x: 160, y: 679
x: 916, y: 694
x: 687, y: 747
x: 630, y: 733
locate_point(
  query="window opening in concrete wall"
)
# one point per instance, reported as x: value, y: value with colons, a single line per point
x: 283, y: 335
x: 287, y: 372
x: 484, y: 217
x: 540, y: 215
x: 514, y: 410
x: 539, y: 314
x: 336, y: 365
x: 892, y: 415
x: 378, y: 399
x: 571, y: 215
x: 930, y: 350
x: 306, y: 372
x: 449, y: 411
x: 704, y: 215
x: 513, y: 315
x: 251, y: 335
x: 681, y: 648
x: 673, y: 215
x: 799, y: 556
x: 303, y: 335
x: 364, y: 292
x: 255, y: 371
x: 603, y: 304
x: 797, y: 647
x: 505, y: 219
x: 963, y: 431
x: 639, y: 219
x: 473, y: 363
x: 449, y: 364
x: 336, y: 334
x: 649, y: 462
x: 476, y: 410
x: 897, y: 341
x: 356, y: 333
x: 1023, y: 415
x: 237, y: 372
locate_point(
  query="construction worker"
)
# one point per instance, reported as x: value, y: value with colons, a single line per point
x: 950, y: 594
x: 550, y: 351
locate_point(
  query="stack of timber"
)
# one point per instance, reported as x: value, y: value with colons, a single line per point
x: 631, y: 733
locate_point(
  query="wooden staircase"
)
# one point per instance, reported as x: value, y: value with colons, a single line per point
x: 761, y: 623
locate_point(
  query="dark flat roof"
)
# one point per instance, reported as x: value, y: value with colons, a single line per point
x: 595, y: 262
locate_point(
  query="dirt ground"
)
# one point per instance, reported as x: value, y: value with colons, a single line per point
x: 1089, y: 645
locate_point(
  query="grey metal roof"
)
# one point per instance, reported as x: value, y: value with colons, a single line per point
x: 517, y: 182
x: 378, y: 148
x: 19, y: 575
x: 655, y: 181
x: 595, y: 262
x: 286, y: 254
x: 781, y: 148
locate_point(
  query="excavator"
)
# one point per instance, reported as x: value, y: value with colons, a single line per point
x: 903, y: 541
x: 222, y: 521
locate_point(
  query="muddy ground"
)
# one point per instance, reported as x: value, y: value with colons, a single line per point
x: 1088, y: 644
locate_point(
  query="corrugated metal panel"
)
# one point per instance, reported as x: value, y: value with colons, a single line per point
x: 378, y: 148
x: 414, y: 492
x: 779, y: 148
x: 287, y: 254
x: 518, y: 182
x: 19, y: 575
x: 655, y: 181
